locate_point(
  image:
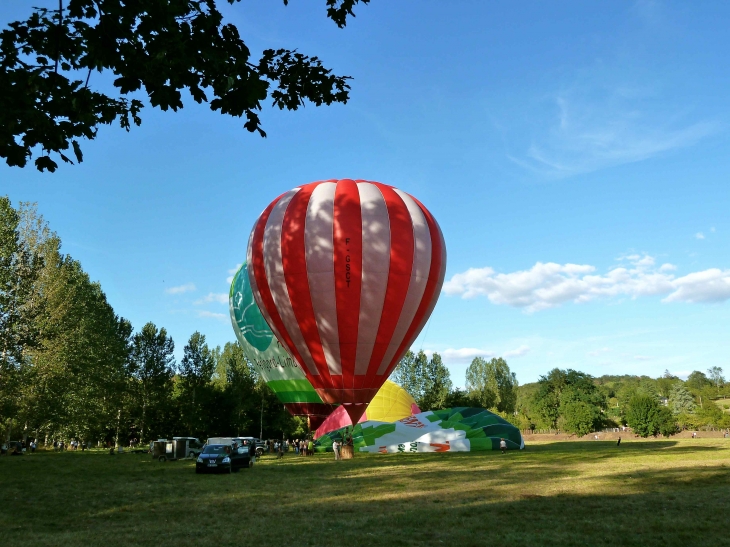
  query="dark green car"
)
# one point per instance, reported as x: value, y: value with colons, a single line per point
x: 216, y: 458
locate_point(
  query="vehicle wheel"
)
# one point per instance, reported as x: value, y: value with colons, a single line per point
x: 162, y: 459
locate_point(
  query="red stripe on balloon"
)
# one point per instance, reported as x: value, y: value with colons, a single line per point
x: 433, y: 287
x: 294, y: 262
x: 262, y: 283
x: 347, y: 240
x: 399, y: 277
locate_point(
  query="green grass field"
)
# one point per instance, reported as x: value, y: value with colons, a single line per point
x: 573, y: 493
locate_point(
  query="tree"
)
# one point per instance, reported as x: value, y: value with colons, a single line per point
x: 458, y: 397
x: 437, y: 385
x: 578, y: 417
x: 492, y: 384
x: 18, y: 270
x: 161, y: 47
x: 647, y: 417
x: 73, y: 366
x: 559, y: 388
x: 152, y: 367
x: 665, y: 383
x: 240, y: 388
x: 196, y: 370
x: 697, y: 380
x: 716, y: 377
x: 681, y: 399
x: 427, y: 380
x: 410, y: 373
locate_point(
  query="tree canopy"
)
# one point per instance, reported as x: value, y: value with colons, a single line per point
x: 157, y: 48
x: 491, y: 384
x: 427, y: 380
x: 71, y: 368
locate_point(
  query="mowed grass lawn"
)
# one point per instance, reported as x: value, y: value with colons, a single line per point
x: 572, y: 493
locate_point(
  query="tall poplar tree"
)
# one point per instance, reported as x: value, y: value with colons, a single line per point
x: 195, y: 374
x: 492, y: 384
x: 152, y: 366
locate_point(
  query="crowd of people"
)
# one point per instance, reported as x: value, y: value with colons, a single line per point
x: 301, y: 447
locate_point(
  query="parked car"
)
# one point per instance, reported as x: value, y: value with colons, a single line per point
x: 224, y: 458
x: 261, y: 447
x: 247, y: 443
x: 13, y: 448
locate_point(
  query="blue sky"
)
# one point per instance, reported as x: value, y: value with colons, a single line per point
x: 574, y: 153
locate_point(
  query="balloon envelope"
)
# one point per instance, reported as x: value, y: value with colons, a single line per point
x: 346, y: 273
x: 263, y: 351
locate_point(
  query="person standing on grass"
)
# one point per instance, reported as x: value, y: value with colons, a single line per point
x: 336, y: 448
x: 310, y: 447
x: 502, y: 445
x: 618, y: 443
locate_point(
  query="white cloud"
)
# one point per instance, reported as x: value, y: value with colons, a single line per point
x: 598, y: 125
x: 700, y: 235
x: 547, y: 285
x: 642, y: 358
x: 187, y: 287
x: 465, y: 354
x: 231, y: 273
x: 596, y: 353
x: 221, y: 298
x: 711, y: 285
x: 519, y: 352
x: 212, y: 315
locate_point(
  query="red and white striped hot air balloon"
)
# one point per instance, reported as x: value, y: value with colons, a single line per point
x: 346, y: 273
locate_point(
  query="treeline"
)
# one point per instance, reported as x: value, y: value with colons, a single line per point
x: 70, y: 367
x: 489, y: 384
x: 572, y: 401
x: 578, y: 403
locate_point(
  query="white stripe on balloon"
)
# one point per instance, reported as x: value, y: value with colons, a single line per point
x: 375, y: 268
x: 319, y: 252
x: 419, y: 277
x: 277, y: 282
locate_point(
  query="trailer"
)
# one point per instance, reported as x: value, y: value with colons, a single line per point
x: 176, y: 449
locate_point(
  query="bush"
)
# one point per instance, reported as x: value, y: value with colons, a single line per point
x: 666, y: 422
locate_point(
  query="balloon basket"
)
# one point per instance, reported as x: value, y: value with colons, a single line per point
x: 347, y: 452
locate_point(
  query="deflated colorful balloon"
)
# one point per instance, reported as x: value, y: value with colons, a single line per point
x: 449, y: 430
x: 264, y: 352
x: 346, y: 273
